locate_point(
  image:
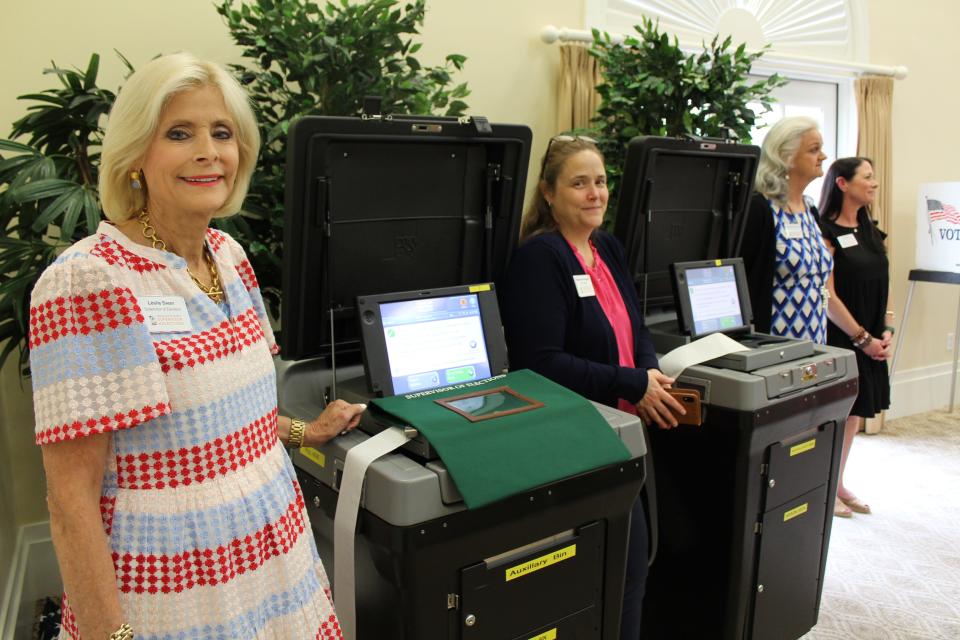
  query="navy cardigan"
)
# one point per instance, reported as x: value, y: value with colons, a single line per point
x: 568, y: 339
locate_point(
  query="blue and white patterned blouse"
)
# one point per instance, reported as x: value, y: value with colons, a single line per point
x: 802, y: 264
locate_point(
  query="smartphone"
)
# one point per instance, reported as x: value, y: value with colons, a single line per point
x: 690, y: 399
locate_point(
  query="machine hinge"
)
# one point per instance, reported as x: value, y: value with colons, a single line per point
x: 453, y: 601
x: 757, y: 528
x: 764, y: 469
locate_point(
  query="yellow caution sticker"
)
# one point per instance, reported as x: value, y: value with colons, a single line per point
x: 546, y: 635
x: 803, y: 447
x: 718, y: 262
x: 796, y: 511
x: 313, y: 454
x: 541, y: 563
x: 477, y: 288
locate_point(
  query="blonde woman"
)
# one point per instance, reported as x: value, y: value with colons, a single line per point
x: 174, y: 509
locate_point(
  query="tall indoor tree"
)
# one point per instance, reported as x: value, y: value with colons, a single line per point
x: 302, y: 58
x: 651, y: 86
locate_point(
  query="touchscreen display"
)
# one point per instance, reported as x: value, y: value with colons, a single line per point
x: 434, y: 342
x: 714, y: 300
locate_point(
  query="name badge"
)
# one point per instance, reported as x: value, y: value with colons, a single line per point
x: 165, y: 314
x: 847, y: 240
x: 584, y: 286
x: 793, y: 231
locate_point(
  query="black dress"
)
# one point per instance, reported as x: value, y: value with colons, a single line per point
x: 861, y: 278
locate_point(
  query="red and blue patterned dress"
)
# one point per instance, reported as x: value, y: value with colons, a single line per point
x: 205, y: 519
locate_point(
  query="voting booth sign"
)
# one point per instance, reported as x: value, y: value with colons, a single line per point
x: 938, y: 227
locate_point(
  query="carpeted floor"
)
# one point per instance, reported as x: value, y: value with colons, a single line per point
x: 895, y: 574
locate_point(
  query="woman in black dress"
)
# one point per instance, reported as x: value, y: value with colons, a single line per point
x: 861, y: 279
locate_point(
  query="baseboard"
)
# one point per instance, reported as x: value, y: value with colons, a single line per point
x: 919, y: 390
x: 34, y: 575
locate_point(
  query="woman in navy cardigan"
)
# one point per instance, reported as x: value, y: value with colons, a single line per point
x: 570, y: 313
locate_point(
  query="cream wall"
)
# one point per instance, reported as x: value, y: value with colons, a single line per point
x: 513, y: 79
x: 925, y: 141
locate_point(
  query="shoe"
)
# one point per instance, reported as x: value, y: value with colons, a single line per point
x: 855, y: 504
x: 841, y: 510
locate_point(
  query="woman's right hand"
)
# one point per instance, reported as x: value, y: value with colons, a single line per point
x: 656, y: 404
x: 877, y: 350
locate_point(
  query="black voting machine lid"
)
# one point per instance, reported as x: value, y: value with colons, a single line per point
x: 681, y: 200
x: 375, y: 205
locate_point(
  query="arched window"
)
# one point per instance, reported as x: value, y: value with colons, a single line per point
x: 795, y: 30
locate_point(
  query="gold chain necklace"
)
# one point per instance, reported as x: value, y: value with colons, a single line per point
x: 213, y: 290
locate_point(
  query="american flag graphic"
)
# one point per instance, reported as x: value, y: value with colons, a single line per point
x: 942, y: 211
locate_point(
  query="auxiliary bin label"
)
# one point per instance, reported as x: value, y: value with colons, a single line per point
x: 803, y: 447
x: 542, y: 562
x: 546, y: 635
x: 796, y: 511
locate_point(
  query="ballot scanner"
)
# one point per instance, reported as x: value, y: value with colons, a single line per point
x: 549, y: 560
x: 744, y: 500
x: 431, y: 207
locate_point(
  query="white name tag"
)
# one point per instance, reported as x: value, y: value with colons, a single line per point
x: 165, y: 314
x: 584, y: 286
x: 793, y: 231
x: 847, y: 240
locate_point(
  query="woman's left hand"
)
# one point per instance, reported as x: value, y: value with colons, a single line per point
x: 657, y: 406
x: 337, y: 417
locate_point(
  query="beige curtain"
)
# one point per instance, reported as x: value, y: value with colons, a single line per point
x: 875, y: 141
x: 578, y: 99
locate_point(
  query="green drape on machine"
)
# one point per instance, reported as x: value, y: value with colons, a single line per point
x: 497, y: 458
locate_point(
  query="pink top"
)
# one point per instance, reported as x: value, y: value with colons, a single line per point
x: 608, y: 295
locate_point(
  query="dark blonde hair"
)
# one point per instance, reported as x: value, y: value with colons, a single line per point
x: 539, y: 216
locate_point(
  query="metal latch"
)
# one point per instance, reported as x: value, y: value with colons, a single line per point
x: 808, y: 372
x: 453, y: 601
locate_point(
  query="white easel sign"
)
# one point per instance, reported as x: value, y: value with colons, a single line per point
x: 938, y: 226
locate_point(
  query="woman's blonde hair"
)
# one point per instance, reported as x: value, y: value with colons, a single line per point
x: 539, y: 217
x: 135, y: 117
x: 779, y: 147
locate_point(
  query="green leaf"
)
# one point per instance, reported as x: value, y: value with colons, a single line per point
x: 10, y: 145
x: 44, y: 188
x: 90, y: 77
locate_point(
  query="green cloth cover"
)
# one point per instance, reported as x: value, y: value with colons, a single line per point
x: 492, y: 459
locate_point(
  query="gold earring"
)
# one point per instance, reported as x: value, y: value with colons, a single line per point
x: 135, y: 177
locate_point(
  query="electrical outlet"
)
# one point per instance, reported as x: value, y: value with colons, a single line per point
x: 950, y: 342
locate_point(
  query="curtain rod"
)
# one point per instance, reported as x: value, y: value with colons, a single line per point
x: 550, y: 34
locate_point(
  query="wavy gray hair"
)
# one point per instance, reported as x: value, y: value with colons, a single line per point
x: 776, y: 156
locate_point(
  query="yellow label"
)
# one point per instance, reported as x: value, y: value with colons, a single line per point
x: 477, y: 288
x: 718, y: 262
x: 542, y: 562
x: 314, y: 455
x: 803, y: 447
x: 546, y: 635
x: 796, y: 511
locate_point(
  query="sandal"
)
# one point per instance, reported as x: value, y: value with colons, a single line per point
x: 841, y: 510
x: 855, y: 504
